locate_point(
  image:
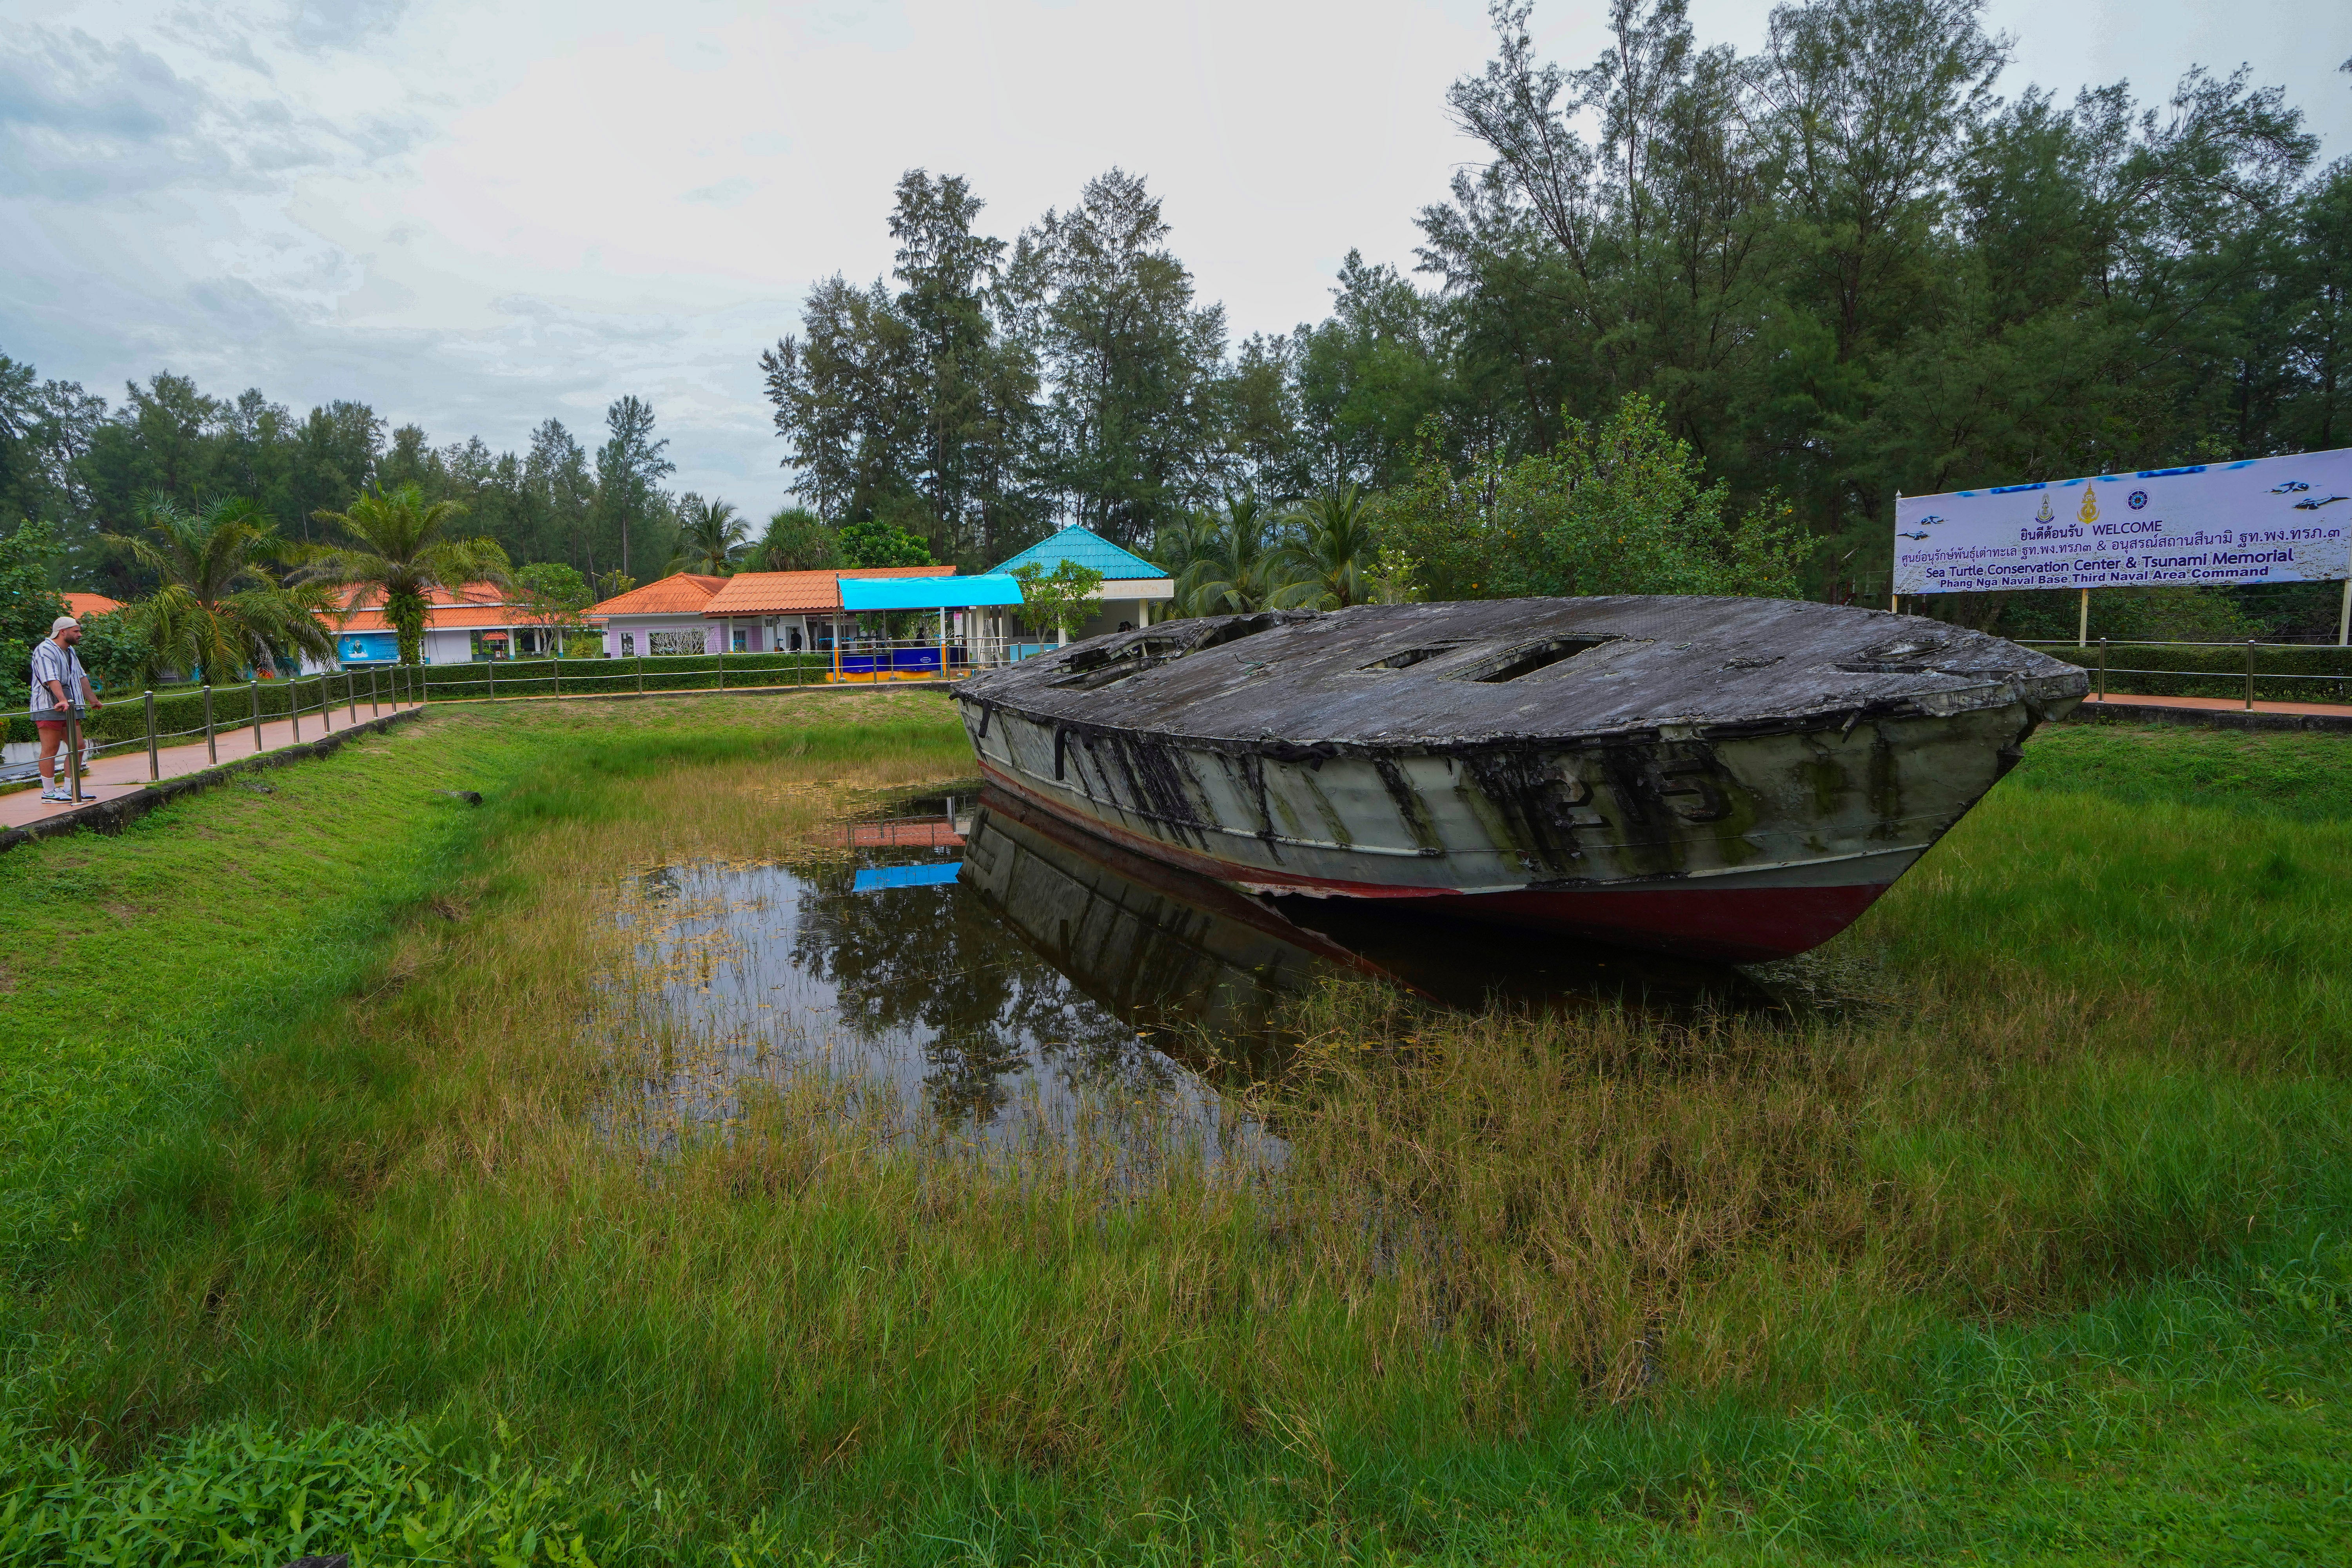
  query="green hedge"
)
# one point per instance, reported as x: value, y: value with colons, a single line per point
x: 603, y: 677
x: 2220, y: 671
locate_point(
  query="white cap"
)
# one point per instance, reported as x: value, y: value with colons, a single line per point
x: 61, y: 623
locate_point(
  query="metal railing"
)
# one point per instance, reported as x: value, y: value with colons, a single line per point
x: 382, y: 687
x: 2097, y: 661
x: 394, y: 688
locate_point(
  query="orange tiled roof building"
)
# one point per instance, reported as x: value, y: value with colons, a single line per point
x: 752, y: 612
x: 481, y: 622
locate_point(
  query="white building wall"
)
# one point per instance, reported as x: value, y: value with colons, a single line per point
x: 449, y: 647
x: 641, y: 627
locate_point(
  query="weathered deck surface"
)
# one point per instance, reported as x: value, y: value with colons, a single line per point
x: 1422, y: 675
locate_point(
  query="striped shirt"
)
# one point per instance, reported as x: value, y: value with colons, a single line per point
x: 52, y: 661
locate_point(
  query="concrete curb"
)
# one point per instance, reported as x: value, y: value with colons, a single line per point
x: 2209, y: 718
x: 113, y: 816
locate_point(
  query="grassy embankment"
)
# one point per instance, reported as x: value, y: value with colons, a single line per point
x: 2040, y: 1255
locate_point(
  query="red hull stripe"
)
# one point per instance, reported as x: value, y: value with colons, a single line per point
x: 1733, y: 925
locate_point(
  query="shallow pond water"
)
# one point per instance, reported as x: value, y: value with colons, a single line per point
x: 993, y: 972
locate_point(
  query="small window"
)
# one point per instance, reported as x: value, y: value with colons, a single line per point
x: 741, y: 642
x: 628, y: 645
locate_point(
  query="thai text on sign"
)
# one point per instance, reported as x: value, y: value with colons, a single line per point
x: 2268, y: 519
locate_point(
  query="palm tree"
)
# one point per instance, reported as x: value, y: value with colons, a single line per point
x: 1334, y: 552
x: 402, y: 554
x: 218, y: 608
x: 710, y: 538
x: 1237, y: 564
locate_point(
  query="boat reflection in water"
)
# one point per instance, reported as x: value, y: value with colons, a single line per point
x: 985, y: 968
x: 1182, y: 953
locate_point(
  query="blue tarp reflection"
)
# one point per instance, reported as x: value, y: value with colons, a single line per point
x: 875, y: 877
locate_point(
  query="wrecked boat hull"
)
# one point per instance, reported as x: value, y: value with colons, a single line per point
x: 1729, y: 834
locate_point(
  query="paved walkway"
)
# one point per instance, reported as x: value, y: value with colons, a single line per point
x: 119, y: 772
x: 2221, y: 704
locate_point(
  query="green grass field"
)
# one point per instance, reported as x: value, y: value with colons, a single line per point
x: 2035, y: 1252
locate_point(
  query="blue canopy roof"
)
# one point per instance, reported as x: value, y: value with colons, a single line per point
x: 927, y: 593
x: 1087, y: 548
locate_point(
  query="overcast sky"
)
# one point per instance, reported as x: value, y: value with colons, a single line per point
x: 474, y: 217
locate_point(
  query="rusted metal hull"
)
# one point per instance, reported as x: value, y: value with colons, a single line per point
x: 1740, y: 835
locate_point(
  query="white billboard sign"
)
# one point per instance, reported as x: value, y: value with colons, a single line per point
x: 2269, y: 519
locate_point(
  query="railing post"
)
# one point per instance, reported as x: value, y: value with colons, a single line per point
x: 154, y: 759
x: 294, y: 707
x: 639, y: 661
x: 490, y: 670
x: 73, y: 747
x: 2250, y: 674
x: 2103, y: 670
x: 559, y: 672
x: 212, y: 742
x: 352, y: 693
x: 375, y: 704
x: 253, y: 689
x: 326, y: 706
x: 722, y: 669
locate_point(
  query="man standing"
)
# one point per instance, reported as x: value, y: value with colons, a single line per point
x: 60, y: 682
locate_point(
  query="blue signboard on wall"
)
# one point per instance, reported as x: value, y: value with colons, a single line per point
x: 369, y: 648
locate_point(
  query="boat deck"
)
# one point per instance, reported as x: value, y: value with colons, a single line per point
x: 1447, y: 675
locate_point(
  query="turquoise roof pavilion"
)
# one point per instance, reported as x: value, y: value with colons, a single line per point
x: 1131, y: 586
x: 1087, y: 548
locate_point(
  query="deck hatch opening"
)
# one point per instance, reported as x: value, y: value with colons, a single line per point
x: 1134, y: 649
x: 1531, y: 656
x: 1242, y: 627
x: 1405, y: 659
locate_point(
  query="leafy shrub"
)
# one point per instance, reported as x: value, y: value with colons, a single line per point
x: 1616, y: 508
x: 249, y: 1494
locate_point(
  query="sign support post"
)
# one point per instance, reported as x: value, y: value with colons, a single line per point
x: 1894, y: 594
x: 2083, y: 622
